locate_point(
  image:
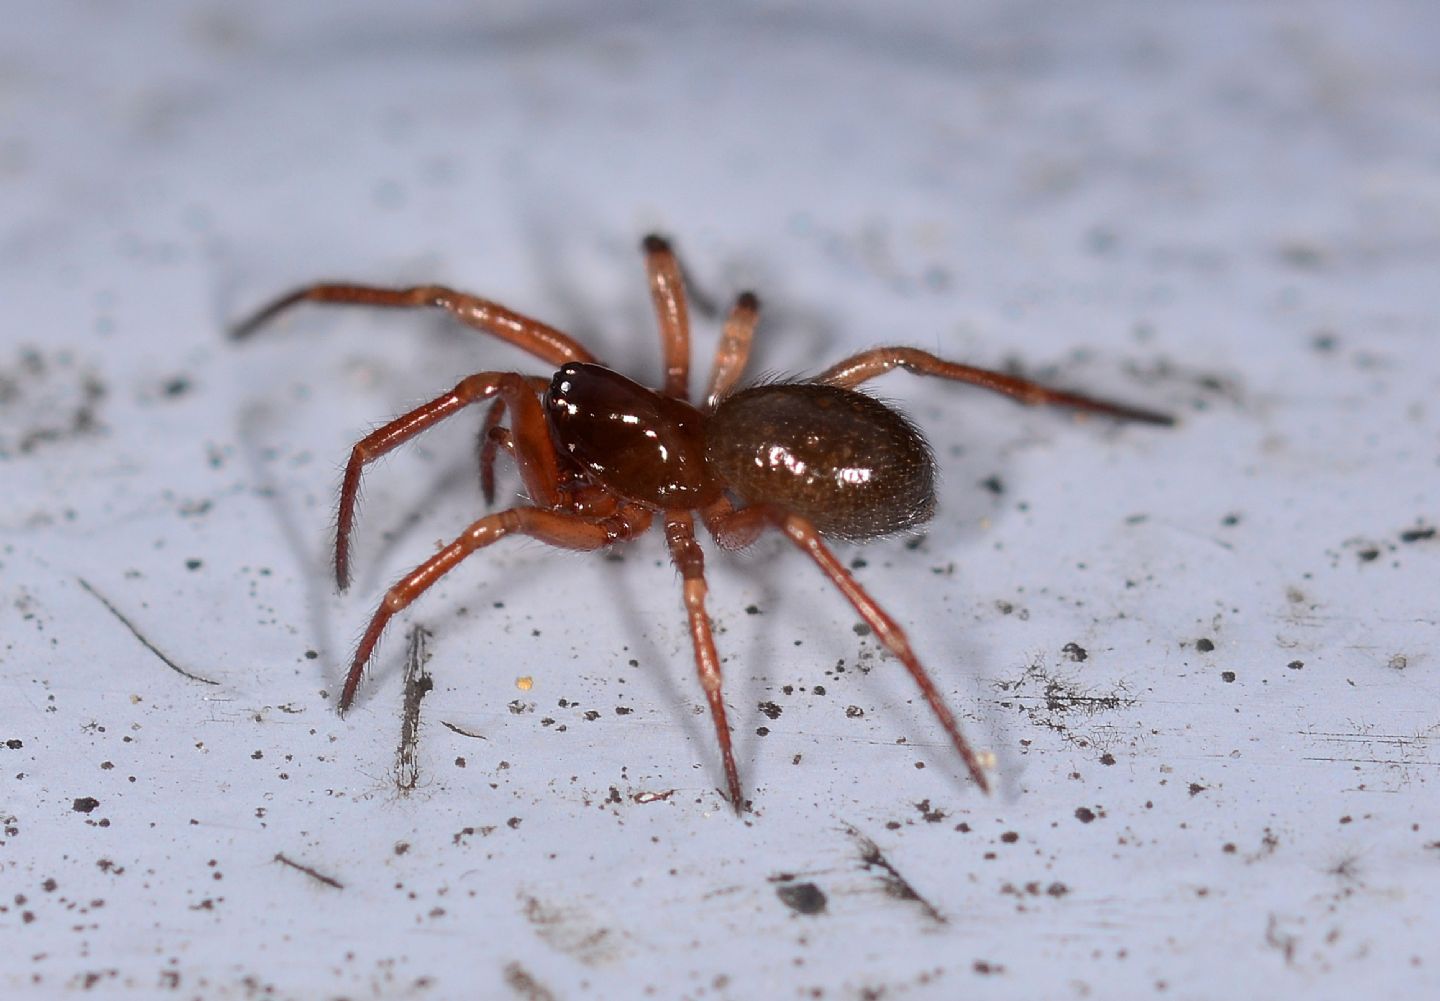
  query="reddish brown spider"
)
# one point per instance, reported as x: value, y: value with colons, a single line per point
x: 601, y: 456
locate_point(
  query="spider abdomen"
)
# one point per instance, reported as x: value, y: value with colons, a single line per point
x: 853, y: 466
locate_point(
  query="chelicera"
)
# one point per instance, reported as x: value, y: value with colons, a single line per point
x: 602, y: 458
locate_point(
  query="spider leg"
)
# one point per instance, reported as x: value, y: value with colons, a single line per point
x: 539, y: 339
x: 734, y: 348
x: 690, y: 560
x: 577, y: 497
x: 534, y: 452
x: 493, y: 437
x: 667, y: 290
x: 557, y: 528
x: 735, y: 529
x: 877, y: 361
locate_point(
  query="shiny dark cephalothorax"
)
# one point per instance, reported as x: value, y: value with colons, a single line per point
x: 602, y: 456
x: 644, y: 447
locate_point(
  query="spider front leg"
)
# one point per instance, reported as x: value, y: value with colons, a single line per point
x: 877, y: 361
x: 667, y: 290
x: 689, y: 559
x: 539, y: 339
x: 534, y: 453
x: 733, y: 351
x: 557, y: 528
x: 492, y: 439
x: 737, y: 529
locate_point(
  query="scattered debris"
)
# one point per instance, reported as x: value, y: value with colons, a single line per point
x: 313, y: 874
x: 895, y: 884
x: 417, y: 684
x: 141, y: 637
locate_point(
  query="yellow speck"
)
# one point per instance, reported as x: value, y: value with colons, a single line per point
x: 987, y: 760
x: 525, y: 683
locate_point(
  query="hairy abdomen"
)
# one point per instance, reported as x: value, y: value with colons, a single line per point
x: 844, y: 460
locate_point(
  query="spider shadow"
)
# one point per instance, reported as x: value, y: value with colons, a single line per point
x: 757, y: 567
x: 636, y: 618
x: 314, y: 566
x: 411, y: 517
x: 956, y: 663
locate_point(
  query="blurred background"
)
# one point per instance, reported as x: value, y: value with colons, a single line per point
x: 1202, y: 658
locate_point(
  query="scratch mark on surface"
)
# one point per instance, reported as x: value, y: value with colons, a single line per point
x: 462, y: 731
x: 1373, y: 761
x: 1060, y: 704
x: 141, y: 636
x: 417, y: 684
x: 896, y: 885
x: 313, y: 874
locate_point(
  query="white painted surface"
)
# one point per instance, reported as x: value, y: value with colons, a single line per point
x: 1230, y: 213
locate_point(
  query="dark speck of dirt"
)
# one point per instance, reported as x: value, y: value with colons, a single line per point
x: 752, y: 609
x: 1417, y: 534
x: 802, y: 898
x: 1227, y: 676
x: 1204, y: 645
x: 1010, y: 837
x: 1107, y: 758
x: 1075, y: 652
x: 1084, y: 814
x: 84, y: 804
x: 193, y: 564
x: 993, y: 484
x: 14, y: 744
x: 861, y: 629
x: 854, y: 712
x: 1368, y: 555
x: 931, y: 815
x: 177, y: 385
x: 1295, y: 665
x: 771, y: 710
x: 1196, y: 788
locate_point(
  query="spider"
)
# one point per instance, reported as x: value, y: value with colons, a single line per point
x: 602, y: 457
